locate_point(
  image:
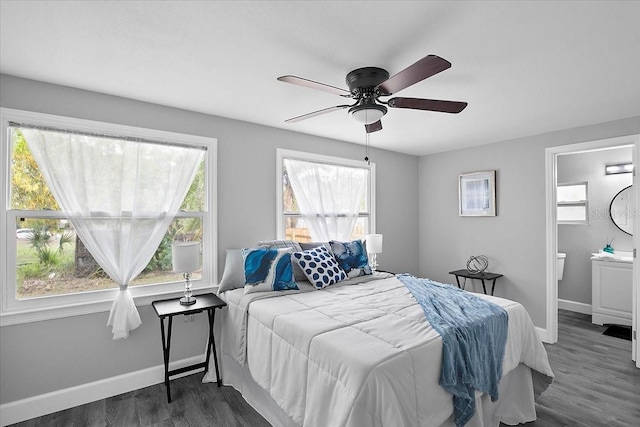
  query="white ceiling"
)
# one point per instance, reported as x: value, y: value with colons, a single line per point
x: 525, y: 68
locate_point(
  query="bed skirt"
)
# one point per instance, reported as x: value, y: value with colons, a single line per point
x: 516, y: 404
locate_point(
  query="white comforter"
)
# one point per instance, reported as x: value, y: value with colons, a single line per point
x: 356, y: 354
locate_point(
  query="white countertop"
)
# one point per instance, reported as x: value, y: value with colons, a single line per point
x: 617, y: 256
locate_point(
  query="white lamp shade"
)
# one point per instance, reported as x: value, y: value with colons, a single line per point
x: 367, y: 115
x: 185, y: 256
x: 374, y: 243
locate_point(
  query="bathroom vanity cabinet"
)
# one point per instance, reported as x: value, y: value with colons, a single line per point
x: 611, y: 291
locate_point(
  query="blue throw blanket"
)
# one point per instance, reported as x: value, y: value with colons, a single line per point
x: 474, y: 333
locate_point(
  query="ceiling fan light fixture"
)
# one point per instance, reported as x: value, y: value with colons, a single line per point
x: 368, y: 113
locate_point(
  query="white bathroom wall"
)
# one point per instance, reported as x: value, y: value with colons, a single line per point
x: 578, y: 241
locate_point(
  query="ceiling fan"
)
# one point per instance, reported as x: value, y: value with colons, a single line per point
x: 367, y: 85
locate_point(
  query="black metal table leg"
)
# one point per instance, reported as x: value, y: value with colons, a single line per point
x: 464, y: 284
x: 484, y: 289
x: 166, y: 351
x: 212, y: 341
x: 207, y: 358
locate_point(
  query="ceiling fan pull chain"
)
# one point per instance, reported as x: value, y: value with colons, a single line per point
x: 366, y: 149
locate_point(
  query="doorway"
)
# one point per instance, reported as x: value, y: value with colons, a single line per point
x: 552, y: 153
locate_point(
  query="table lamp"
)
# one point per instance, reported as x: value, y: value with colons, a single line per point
x: 374, y: 247
x: 185, y: 257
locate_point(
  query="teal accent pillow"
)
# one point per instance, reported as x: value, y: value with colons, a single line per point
x: 268, y: 269
x: 319, y: 266
x: 352, y: 257
x: 298, y: 275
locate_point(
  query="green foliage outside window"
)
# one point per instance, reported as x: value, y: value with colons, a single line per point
x: 29, y: 191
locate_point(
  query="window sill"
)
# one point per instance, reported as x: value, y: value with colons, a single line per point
x: 19, y: 316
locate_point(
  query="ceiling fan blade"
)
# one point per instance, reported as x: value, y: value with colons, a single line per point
x: 315, y: 85
x: 428, y: 104
x: 426, y: 67
x: 316, y: 113
x: 373, y: 127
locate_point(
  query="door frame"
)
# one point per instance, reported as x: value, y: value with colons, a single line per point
x: 550, y: 334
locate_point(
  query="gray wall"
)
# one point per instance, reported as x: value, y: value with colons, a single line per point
x: 514, y: 240
x: 41, y: 357
x: 578, y: 241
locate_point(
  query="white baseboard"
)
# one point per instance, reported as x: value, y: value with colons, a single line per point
x: 59, y: 400
x: 578, y: 307
x: 543, y: 334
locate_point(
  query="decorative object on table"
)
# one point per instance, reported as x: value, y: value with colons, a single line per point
x: 374, y: 247
x: 608, y: 248
x: 477, y: 264
x: 186, y: 259
x: 477, y: 193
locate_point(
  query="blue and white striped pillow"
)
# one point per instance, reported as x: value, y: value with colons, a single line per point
x: 268, y: 269
x: 319, y: 266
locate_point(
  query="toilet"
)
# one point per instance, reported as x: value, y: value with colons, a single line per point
x: 560, y: 265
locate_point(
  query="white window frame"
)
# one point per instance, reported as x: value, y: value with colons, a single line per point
x: 13, y: 311
x: 282, y: 153
x: 568, y: 203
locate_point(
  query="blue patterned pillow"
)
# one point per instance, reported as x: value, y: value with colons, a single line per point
x: 319, y: 266
x: 352, y: 257
x: 267, y: 269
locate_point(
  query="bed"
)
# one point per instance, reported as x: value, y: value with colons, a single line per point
x: 361, y: 353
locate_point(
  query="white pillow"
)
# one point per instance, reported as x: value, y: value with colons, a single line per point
x: 233, y: 275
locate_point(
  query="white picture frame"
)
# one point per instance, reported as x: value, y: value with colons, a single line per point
x: 477, y: 193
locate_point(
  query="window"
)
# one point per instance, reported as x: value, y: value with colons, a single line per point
x: 350, y: 214
x: 47, y: 271
x: 572, y: 205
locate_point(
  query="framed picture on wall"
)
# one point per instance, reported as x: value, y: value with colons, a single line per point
x: 477, y: 193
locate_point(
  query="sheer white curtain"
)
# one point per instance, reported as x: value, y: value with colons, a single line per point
x: 328, y: 196
x: 120, y: 195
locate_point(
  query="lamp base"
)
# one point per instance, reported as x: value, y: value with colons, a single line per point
x: 373, y: 262
x: 187, y: 300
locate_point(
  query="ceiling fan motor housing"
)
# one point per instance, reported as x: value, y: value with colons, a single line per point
x: 361, y: 79
x: 362, y: 83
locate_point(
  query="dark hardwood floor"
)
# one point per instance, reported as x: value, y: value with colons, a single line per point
x: 193, y: 404
x: 596, y: 384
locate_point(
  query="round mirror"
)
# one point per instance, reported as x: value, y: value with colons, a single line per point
x: 620, y: 210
